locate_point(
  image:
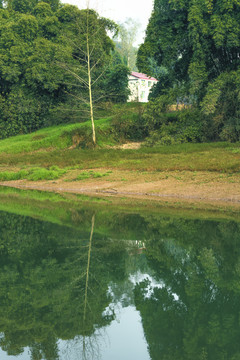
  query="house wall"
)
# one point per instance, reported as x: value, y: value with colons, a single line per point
x: 139, y: 88
x: 133, y: 87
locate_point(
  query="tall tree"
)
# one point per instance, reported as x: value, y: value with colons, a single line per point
x: 198, y: 43
x: 30, y: 81
x: 125, y: 43
x: 34, y: 41
x: 91, y: 52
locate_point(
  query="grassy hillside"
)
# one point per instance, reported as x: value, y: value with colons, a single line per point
x: 56, y: 137
x: 55, y: 146
x: 62, y: 137
x: 65, y: 152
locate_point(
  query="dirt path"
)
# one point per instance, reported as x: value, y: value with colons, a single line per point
x: 202, y: 187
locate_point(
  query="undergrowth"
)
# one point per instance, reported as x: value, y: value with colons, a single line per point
x: 33, y: 174
x: 89, y: 175
x: 69, y: 147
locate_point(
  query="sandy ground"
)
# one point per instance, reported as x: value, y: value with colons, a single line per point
x: 201, y: 187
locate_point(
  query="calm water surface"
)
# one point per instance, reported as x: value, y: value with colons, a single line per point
x: 107, y: 285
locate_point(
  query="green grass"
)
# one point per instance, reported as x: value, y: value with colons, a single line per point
x: 33, y: 174
x: 190, y: 148
x: 57, y: 137
x: 89, y: 175
x: 199, y: 157
x: 53, y: 146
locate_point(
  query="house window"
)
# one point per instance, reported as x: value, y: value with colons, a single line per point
x: 143, y: 82
x: 149, y: 83
x: 142, y: 96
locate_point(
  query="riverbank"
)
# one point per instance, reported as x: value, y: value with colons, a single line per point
x: 200, y: 189
x: 190, y: 174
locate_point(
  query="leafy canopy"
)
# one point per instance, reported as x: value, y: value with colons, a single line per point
x: 35, y: 39
x: 194, y: 45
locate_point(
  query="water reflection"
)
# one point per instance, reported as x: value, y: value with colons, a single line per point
x: 109, y: 285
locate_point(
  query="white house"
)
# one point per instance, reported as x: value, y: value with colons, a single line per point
x: 140, y: 85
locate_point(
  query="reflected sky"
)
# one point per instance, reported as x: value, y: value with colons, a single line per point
x: 123, y: 339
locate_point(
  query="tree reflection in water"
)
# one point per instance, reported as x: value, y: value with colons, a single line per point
x: 201, y: 266
x: 63, y: 282
x: 48, y: 290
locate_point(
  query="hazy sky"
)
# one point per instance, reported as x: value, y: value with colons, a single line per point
x: 120, y: 10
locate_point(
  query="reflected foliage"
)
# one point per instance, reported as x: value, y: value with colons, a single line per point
x: 43, y: 283
x: 55, y: 282
x: 194, y: 314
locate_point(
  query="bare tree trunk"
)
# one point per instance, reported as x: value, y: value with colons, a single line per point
x: 87, y: 271
x: 91, y: 103
x: 90, y: 81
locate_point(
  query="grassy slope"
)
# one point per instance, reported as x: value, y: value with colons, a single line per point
x: 56, y: 137
x: 28, y: 156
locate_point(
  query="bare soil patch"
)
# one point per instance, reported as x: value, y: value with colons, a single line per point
x: 128, y: 146
x: 201, y: 187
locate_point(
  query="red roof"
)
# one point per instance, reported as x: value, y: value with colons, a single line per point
x: 142, y: 76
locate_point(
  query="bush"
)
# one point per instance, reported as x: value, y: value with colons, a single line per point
x: 129, y: 123
x: 155, y: 114
x: 231, y: 130
x: 33, y: 174
x: 187, y: 125
x: 21, y: 113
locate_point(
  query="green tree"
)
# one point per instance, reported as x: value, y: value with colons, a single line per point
x: 127, y: 34
x: 37, y: 41
x: 198, y: 43
x: 115, y: 83
x: 30, y: 81
x: 91, y: 48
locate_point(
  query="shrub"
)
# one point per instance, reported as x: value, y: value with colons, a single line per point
x: 231, y: 130
x: 33, y: 174
x: 155, y: 114
x: 187, y: 125
x: 21, y: 113
x: 129, y: 123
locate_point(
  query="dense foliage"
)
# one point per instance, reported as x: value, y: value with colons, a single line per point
x: 192, y: 47
x: 165, y: 127
x: 42, y: 64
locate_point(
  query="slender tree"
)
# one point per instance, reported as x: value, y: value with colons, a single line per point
x: 90, y: 78
x: 91, y: 52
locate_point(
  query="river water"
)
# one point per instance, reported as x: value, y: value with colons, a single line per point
x: 92, y: 282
